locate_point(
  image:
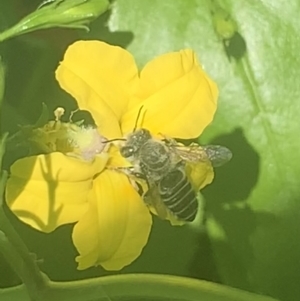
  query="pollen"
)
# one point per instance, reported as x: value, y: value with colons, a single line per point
x: 86, y: 141
x: 70, y: 138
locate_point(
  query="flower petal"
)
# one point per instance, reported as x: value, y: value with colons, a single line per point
x: 200, y: 174
x: 47, y: 191
x: 100, y: 77
x: 179, y: 99
x: 114, y: 230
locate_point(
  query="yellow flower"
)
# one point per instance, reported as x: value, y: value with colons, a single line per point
x: 112, y: 221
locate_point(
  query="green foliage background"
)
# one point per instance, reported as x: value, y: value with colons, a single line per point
x: 253, y: 207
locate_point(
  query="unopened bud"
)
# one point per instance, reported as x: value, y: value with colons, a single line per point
x: 59, y: 13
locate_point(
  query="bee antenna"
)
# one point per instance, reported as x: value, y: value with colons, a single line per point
x: 137, y: 118
x: 112, y: 140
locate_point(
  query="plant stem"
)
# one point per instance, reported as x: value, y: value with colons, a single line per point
x: 137, y: 287
x: 22, y: 269
x: 13, y: 248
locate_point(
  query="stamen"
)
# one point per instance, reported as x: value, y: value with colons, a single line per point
x: 58, y: 113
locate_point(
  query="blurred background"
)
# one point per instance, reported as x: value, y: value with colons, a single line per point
x: 250, y: 235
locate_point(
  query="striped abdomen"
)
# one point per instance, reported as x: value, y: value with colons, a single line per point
x: 178, y: 195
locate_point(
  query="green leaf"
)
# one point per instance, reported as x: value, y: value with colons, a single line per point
x: 254, y: 204
x: 2, y: 81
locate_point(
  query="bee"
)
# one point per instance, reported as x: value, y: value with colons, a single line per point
x: 162, y: 165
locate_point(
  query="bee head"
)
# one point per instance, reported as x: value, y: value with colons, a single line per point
x: 134, y: 142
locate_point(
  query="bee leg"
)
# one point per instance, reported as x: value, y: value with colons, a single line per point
x: 168, y: 140
x: 132, y: 173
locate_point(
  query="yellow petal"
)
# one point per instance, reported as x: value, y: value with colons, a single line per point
x: 47, y: 191
x: 115, y: 229
x: 200, y: 174
x: 100, y: 77
x: 179, y: 98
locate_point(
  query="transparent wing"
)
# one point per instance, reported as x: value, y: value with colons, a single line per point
x: 192, y: 153
x: 217, y: 155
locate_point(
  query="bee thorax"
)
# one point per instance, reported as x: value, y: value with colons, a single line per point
x: 155, y: 159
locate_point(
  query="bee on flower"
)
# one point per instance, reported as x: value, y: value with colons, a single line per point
x: 84, y: 185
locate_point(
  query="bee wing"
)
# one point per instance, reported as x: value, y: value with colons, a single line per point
x: 217, y: 155
x: 192, y: 153
x: 198, y: 166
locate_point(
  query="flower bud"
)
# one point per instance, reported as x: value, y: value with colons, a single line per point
x: 59, y: 13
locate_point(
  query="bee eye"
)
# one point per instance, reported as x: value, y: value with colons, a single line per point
x: 127, y: 151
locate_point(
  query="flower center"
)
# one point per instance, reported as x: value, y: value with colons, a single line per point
x: 70, y: 138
